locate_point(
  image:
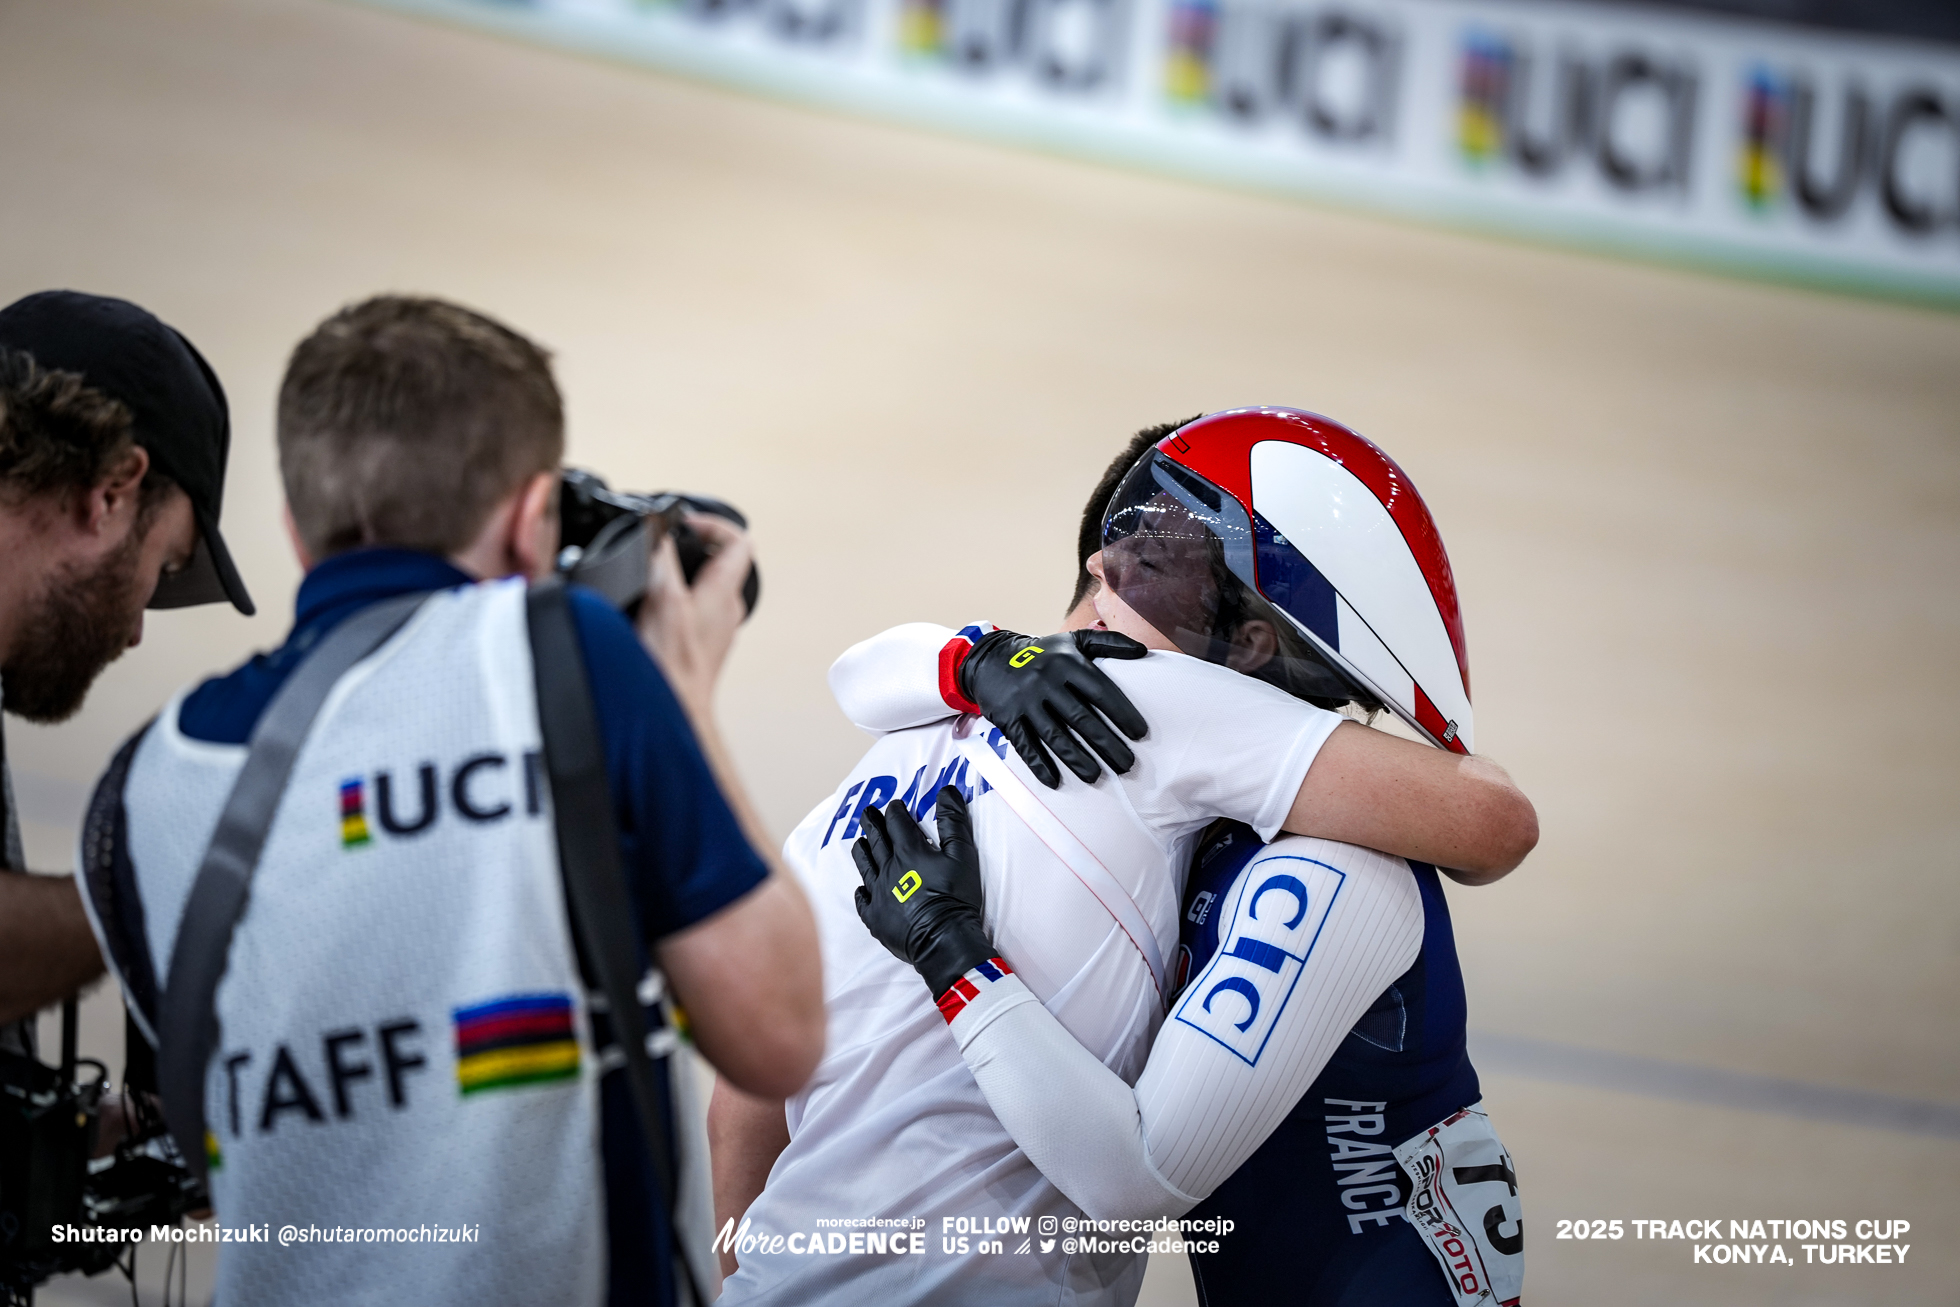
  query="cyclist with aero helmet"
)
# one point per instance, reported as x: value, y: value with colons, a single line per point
x: 1310, y: 1085
x: 894, y: 1121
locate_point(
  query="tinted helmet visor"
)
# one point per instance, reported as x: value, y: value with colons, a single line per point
x: 1183, y: 555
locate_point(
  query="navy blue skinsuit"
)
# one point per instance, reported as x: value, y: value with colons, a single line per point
x: 1317, y: 1207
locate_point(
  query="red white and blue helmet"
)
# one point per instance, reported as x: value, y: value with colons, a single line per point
x: 1285, y: 546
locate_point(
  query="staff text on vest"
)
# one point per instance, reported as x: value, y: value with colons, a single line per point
x: 356, y: 1068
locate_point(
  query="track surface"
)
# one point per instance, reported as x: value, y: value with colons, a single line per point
x: 1707, y: 532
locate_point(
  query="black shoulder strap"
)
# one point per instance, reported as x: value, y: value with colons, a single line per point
x: 108, y: 880
x: 187, y: 1027
x: 10, y: 850
x: 588, y: 858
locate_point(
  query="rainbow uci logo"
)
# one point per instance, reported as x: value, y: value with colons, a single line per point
x: 1483, y: 92
x: 353, y: 815
x: 1766, y: 110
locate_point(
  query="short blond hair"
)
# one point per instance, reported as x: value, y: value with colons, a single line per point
x: 403, y: 421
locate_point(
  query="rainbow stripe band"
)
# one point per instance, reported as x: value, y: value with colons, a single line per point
x: 353, y: 815
x: 965, y: 989
x: 525, y: 1039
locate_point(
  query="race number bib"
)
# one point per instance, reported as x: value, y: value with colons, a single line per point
x: 1465, y: 1205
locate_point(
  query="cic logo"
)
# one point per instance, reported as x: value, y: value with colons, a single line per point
x: 1270, y: 931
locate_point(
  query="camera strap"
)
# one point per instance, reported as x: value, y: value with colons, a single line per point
x: 187, y: 1028
x: 16, y: 1036
x: 595, y: 882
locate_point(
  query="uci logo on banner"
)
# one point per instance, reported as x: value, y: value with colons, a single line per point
x: 1276, y: 911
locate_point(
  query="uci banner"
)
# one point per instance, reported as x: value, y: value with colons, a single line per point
x: 1823, y: 157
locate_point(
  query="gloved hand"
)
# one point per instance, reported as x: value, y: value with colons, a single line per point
x: 922, y: 903
x: 1038, y: 691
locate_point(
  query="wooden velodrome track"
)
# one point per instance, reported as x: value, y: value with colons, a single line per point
x: 1707, y: 531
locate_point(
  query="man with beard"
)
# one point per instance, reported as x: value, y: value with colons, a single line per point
x: 113, y: 439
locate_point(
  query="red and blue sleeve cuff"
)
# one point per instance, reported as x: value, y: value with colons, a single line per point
x: 971, y: 987
x: 951, y: 655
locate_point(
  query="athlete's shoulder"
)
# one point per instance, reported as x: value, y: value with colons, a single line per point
x: 1189, y: 694
x: 1219, y: 744
x: 1170, y: 667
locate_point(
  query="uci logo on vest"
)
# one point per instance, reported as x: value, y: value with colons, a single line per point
x: 1274, y: 922
x: 482, y: 788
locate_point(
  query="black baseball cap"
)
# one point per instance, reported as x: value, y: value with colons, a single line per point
x: 180, y: 411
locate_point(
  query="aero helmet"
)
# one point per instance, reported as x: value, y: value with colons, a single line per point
x: 1285, y: 546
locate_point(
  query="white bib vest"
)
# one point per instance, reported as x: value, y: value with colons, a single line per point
x: 404, y: 1043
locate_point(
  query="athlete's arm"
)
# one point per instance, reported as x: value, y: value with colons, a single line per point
x: 1202, y: 1105
x: 1046, y: 693
x: 746, y: 1135
x: 1366, y: 787
x: 1459, y: 812
x: 891, y: 681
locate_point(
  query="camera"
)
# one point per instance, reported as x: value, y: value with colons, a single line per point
x: 603, y: 537
x: 48, y: 1120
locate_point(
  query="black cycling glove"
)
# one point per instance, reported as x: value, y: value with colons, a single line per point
x: 922, y: 903
x: 1048, y: 691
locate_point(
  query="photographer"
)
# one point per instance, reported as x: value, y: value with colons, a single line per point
x: 403, y: 1035
x: 113, y: 439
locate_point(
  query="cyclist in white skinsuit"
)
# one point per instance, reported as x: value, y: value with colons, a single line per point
x: 893, y: 1125
x: 1316, y: 933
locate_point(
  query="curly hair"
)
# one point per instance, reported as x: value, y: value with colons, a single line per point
x: 57, y: 433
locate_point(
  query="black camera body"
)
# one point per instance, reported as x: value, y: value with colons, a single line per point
x: 603, y: 536
x: 48, y: 1121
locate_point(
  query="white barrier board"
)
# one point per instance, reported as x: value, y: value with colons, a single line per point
x: 1822, y: 157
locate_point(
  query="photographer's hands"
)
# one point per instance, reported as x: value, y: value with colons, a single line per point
x: 690, y: 629
x: 925, y: 904
x: 762, y: 1029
